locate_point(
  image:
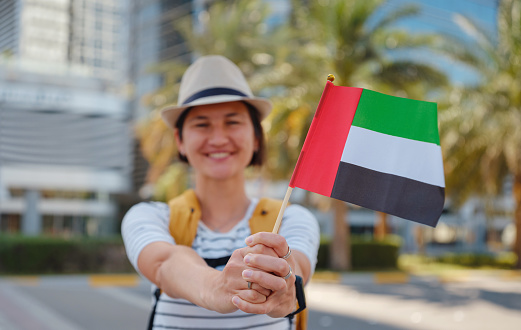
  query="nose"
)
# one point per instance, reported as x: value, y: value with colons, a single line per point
x: 218, y: 136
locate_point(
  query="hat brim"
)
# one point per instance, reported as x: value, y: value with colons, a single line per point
x: 171, y: 113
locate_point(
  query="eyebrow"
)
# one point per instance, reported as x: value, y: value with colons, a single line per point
x: 202, y: 117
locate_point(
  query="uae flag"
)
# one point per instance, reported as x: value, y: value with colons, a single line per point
x: 377, y: 151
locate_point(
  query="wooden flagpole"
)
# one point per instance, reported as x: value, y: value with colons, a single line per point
x: 281, y: 212
x: 276, y: 227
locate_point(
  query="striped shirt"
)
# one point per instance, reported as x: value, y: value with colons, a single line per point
x: 148, y: 222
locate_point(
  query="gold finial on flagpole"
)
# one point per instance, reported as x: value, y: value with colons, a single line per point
x: 331, y: 77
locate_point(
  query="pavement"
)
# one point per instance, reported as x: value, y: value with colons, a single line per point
x: 471, y: 300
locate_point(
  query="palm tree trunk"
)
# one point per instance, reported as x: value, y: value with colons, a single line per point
x: 340, y: 246
x: 517, y: 217
x: 381, y: 229
x: 420, y: 240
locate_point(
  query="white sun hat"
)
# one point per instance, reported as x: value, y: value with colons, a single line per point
x: 210, y: 80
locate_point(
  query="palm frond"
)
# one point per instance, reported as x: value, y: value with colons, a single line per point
x: 394, y: 16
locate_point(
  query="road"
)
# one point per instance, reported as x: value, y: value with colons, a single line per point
x: 362, y: 301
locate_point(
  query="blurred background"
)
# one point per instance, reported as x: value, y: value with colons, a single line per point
x: 81, y: 82
x: 81, y: 139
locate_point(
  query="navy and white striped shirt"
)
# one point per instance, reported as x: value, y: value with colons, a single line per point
x: 148, y: 222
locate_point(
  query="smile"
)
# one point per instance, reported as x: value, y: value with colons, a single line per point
x: 219, y: 155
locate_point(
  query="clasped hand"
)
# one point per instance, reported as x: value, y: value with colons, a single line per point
x: 269, y: 292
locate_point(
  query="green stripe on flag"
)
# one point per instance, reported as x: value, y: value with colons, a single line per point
x: 406, y: 118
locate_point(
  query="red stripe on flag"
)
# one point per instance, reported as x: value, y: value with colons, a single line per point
x: 318, y: 162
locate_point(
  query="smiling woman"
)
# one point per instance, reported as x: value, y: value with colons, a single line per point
x: 234, y: 118
x: 208, y: 250
x: 219, y: 140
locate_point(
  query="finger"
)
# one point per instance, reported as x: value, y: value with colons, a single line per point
x: 278, y: 266
x: 245, y: 306
x: 266, y: 280
x: 276, y: 242
x: 252, y: 296
x: 263, y: 291
x: 259, y: 249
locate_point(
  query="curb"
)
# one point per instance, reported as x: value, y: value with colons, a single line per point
x: 512, y: 275
x: 94, y: 280
x: 114, y: 280
x: 380, y: 278
x: 397, y: 277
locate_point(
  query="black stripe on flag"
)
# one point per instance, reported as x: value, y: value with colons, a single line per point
x: 388, y: 193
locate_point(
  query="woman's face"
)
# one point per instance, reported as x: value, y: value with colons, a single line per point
x: 218, y: 139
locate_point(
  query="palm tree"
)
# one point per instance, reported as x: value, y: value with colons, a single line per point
x: 340, y: 39
x: 168, y: 179
x: 481, y: 131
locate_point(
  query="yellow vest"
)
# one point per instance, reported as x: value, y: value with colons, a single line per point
x: 185, y: 213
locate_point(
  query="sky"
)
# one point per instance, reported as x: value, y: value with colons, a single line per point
x: 440, y: 16
x: 436, y: 16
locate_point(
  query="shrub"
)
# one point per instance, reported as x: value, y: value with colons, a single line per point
x: 504, y: 260
x: 366, y: 253
x: 40, y: 255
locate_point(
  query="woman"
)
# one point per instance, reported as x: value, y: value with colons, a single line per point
x: 217, y: 128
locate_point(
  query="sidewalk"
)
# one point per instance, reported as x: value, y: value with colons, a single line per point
x: 472, y: 300
x: 465, y: 300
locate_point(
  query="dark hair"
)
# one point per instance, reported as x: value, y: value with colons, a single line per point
x: 258, y: 156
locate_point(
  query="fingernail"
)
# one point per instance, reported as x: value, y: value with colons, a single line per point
x: 247, y: 273
x: 249, y: 240
x: 247, y: 258
x: 235, y: 300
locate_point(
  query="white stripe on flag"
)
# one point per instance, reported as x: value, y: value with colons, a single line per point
x: 417, y: 160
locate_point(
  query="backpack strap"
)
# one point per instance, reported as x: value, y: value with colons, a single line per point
x: 157, y: 293
x: 265, y: 215
x: 302, y: 320
x: 185, y: 213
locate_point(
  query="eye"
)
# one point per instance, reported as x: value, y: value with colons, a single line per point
x: 234, y: 122
x: 201, y: 124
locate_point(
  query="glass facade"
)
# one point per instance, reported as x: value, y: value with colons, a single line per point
x: 67, y: 143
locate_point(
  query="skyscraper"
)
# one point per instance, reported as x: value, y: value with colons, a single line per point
x: 153, y: 39
x: 65, y: 135
x: 98, y: 37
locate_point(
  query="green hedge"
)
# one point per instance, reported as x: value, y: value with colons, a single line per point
x: 41, y: 255
x: 366, y: 253
x: 503, y: 261
x: 49, y: 255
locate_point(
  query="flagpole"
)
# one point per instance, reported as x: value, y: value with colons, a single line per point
x: 276, y: 227
x: 282, y: 209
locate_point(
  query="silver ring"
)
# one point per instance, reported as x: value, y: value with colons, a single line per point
x: 289, y: 274
x: 249, y: 285
x: 287, y: 254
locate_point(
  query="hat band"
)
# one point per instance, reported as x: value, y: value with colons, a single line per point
x: 213, y: 92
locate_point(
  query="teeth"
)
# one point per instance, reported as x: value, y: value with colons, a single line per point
x: 219, y: 155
